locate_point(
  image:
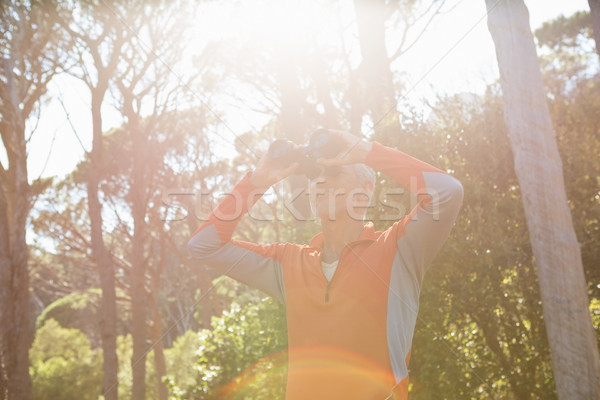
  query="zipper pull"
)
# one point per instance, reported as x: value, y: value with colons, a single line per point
x: 327, y: 292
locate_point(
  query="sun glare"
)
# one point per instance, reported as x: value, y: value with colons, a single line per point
x: 450, y: 57
x: 281, y: 23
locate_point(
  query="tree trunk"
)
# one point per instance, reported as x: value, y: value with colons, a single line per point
x: 138, y: 313
x: 5, y: 292
x: 160, y: 365
x: 138, y: 262
x: 102, y: 258
x: 3, y: 381
x: 539, y: 171
x: 206, y: 304
x: 26, y: 66
x: 294, y: 129
x: 595, y: 13
x: 20, y: 333
x: 15, y: 324
x: 14, y: 299
x: 492, y: 342
x: 375, y: 68
x: 208, y: 296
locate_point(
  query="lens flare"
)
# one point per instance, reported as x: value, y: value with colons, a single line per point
x: 324, y: 371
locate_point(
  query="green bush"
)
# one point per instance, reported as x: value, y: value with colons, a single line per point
x: 63, y: 364
x: 242, y: 357
x: 182, y: 358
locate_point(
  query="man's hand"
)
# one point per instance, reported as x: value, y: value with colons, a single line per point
x: 268, y: 172
x: 354, y: 150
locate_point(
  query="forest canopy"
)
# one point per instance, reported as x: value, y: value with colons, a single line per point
x: 106, y: 302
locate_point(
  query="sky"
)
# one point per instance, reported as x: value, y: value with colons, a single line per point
x: 464, y: 59
x: 456, y: 54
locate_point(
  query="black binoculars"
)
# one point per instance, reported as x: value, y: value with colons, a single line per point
x: 322, y: 144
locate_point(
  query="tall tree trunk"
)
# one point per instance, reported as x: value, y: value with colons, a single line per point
x: 26, y: 66
x: 5, y: 316
x: 21, y: 335
x: 138, y: 313
x: 208, y: 297
x: 160, y: 365
x: 138, y: 261
x: 3, y: 381
x: 206, y: 304
x: 539, y: 171
x: 493, y: 343
x: 595, y: 13
x: 102, y: 258
x: 15, y: 324
x: 375, y: 67
x: 295, y: 128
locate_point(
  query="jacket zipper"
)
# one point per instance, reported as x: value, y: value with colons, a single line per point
x: 327, y: 290
x: 334, y: 274
x: 339, y: 263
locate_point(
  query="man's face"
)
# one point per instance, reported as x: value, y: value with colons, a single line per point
x: 337, y: 193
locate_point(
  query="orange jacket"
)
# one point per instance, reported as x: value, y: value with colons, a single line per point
x: 349, y: 338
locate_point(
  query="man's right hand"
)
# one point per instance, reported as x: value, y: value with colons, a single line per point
x: 268, y: 172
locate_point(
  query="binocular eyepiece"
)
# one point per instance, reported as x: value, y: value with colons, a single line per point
x: 322, y: 144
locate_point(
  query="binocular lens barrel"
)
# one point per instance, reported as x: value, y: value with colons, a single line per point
x: 280, y: 149
x: 323, y: 144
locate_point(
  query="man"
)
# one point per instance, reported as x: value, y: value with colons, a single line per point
x: 352, y: 294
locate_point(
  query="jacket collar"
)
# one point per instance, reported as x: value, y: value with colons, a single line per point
x: 368, y: 233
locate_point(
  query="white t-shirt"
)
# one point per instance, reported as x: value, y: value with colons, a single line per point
x: 329, y: 269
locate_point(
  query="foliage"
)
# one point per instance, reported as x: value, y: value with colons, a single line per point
x: 578, y: 132
x: 243, y: 356
x: 480, y: 304
x: 564, y: 31
x: 124, y: 353
x: 567, y: 51
x: 181, y: 360
x: 76, y: 310
x: 63, y: 364
x: 480, y: 332
x: 32, y: 52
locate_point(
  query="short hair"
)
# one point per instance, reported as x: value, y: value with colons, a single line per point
x: 364, y: 173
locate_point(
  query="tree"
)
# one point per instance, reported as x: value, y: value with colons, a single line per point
x: 98, y: 42
x: 375, y: 68
x: 480, y: 333
x: 64, y: 366
x: 29, y: 60
x: 67, y: 225
x: 243, y: 356
x: 570, y: 71
x: 376, y: 93
x: 539, y: 171
x: 567, y: 51
x: 595, y: 12
x: 143, y: 81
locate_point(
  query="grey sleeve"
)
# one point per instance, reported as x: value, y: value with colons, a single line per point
x: 430, y: 225
x: 423, y: 236
x: 250, y: 263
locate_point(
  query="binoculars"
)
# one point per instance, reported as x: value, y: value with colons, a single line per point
x: 322, y: 144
